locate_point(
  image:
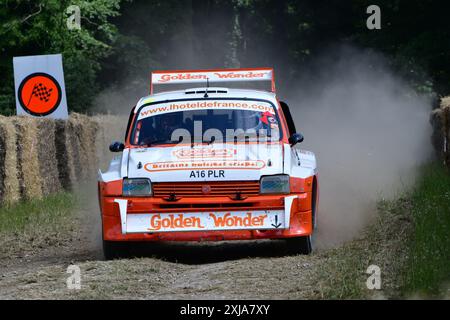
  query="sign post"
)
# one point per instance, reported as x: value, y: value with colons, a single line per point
x: 39, y: 84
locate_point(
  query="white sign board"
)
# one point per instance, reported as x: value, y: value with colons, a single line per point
x: 40, y: 89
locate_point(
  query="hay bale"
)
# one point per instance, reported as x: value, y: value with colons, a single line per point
x: 446, y: 134
x: 64, y: 155
x: 445, y: 102
x: 9, y: 180
x: 42, y: 156
x: 30, y: 180
x: 73, y: 146
x: 48, y: 165
x: 104, y: 141
x: 437, y: 136
x: 110, y: 128
x: 100, y: 139
x: 445, y: 128
x: 88, y: 135
x: 75, y: 135
x: 75, y: 150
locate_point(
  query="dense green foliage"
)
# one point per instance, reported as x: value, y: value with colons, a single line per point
x: 121, y: 41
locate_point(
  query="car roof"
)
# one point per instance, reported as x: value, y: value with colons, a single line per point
x: 213, y: 92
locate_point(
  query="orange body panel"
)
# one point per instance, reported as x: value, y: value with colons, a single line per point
x: 300, y: 219
x: 301, y: 215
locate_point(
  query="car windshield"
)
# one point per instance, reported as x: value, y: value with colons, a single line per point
x: 206, y: 125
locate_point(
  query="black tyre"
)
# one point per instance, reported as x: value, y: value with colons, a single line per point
x: 300, y: 245
x: 114, y: 250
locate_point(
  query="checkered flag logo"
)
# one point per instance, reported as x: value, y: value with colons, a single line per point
x: 40, y: 91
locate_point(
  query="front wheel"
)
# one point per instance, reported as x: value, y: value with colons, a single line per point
x: 114, y: 249
x: 300, y: 245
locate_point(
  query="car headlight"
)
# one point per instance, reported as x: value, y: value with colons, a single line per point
x: 274, y: 184
x: 137, y: 187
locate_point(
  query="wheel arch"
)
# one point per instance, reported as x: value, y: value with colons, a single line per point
x: 315, y: 201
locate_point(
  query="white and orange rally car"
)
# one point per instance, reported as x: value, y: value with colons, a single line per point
x: 209, y: 164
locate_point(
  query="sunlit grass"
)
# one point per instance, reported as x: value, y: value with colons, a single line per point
x: 428, y: 267
x: 36, y: 213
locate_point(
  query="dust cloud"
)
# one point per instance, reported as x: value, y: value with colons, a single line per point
x: 369, y: 131
x: 118, y: 99
x: 368, y: 128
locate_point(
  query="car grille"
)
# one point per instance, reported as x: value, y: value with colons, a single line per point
x: 206, y: 189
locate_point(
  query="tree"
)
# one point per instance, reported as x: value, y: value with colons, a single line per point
x: 32, y: 28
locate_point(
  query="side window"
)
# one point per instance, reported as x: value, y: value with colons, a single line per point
x: 130, y: 119
x: 288, y: 116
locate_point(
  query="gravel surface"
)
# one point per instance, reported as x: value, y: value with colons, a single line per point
x: 34, y: 266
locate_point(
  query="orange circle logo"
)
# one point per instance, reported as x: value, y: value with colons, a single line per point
x: 39, y: 94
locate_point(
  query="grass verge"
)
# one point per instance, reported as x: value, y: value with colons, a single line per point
x: 343, y: 275
x: 428, y: 265
x: 409, y: 241
x: 35, y: 225
x: 36, y: 213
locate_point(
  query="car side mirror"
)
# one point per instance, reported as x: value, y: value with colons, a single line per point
x: 295, y: 138
x: 116, y: 146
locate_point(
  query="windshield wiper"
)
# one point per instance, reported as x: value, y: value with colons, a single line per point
x: 160, y: 141
x: 195, y: 142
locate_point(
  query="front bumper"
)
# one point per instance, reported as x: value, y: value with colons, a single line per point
x: 119, y: 216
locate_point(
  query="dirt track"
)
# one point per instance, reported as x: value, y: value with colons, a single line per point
x: 37, y: 268
x: 164, y: 271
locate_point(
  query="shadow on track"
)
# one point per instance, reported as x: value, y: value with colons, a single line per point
x: 208, y: 252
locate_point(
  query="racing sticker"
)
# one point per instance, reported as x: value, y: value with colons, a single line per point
x: 192, y: 165
x: 206, y: 221
x: 269, y: 119
x: 162, y: 108
x: 217, y: 75
x: 189, y: 153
